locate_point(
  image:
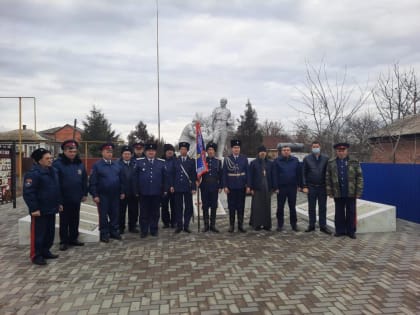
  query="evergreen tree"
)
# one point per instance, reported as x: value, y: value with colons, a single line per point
x: 248, y: 131
x: 140, y: 133
x: 97, y: 128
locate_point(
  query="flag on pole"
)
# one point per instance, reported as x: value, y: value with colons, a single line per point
x: 201, y: 163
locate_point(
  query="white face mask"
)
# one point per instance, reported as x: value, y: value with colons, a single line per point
x: 316, y: 150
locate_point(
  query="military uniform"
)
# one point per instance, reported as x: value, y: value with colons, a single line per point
x: 210, y: 184
x: 150, y: 186
x: 344, y: 182
x: 106, y: 182
x: 73, y: 185
x: 183, y: 181
x: 130, y: 201
x: 41, y: 192
x: 168, y: 200
x: 235, y: 178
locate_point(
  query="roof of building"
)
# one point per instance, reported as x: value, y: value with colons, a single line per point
x: 28, y: 135
x: 406, y: 126
x: 55, y: 129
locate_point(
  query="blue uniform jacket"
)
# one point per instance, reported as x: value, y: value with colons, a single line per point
x: 41, y: 190
x: 179, y: 180
x: 213, y: 179
x: 106, y: 179
x: 128, y: 176
x: 256, y: 174
x: 150, y: 177
x: 170, y: 167
x: 72, y: 177
x: 235, y: 173
x: 287, y: 171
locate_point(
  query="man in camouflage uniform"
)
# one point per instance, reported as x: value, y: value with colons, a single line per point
x: 344, y: 182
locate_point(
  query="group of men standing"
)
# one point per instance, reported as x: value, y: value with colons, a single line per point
x: 149, y: 186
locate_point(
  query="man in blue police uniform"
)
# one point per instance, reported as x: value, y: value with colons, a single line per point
x: 41, y: 192
x: 288, y: 180
x: 235, y: 179
x: 150, y: 186
x: 183, y: 185
x: 130, y: 201
x: 74, y: 189
x: 211, y: 185
x: 107, y: 188
x: 168, y: 200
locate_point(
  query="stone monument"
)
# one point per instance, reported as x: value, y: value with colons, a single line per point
x: 221, y: 120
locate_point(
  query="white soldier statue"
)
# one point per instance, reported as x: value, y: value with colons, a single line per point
x: 188, y: 135
x: 221, y: 120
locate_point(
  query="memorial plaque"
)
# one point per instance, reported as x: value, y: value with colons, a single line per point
x: 5, y: 175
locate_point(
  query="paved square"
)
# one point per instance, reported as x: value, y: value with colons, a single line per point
x: 252, y: 273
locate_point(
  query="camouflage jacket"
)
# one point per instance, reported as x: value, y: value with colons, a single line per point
x: 354, y: 174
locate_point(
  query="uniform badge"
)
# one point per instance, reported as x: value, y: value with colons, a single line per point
x: 28, y: 182
x: 79, y: 172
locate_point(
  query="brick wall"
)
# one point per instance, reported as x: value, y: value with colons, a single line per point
x: 408, y: 151
x: 67, y: 133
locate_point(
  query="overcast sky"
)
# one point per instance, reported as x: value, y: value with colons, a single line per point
x: 73, y: 54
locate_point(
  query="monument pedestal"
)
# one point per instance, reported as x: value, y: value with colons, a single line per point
x: 371, y: 216
x: 88, y: 226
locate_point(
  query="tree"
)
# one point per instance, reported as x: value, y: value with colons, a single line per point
x: 248, y: 131
x: 98, y: 129
x: 395, y: 96
x: 140, y: 133
x: 271, y: 128
x: 329, y: 106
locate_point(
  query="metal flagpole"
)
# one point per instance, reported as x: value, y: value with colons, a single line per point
x: 157, y: 65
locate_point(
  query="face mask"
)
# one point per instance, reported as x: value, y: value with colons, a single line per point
x: 316, y: 150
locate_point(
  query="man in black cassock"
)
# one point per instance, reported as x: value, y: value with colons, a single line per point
x: 261, y: 185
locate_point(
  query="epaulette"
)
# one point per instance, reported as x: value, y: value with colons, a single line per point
x: 142, y: 158
x: 160, y: 159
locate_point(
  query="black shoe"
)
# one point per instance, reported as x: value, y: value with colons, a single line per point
x: 63, y: 247
x: 206, y: 229
x: 310, y: 229
x: 213, y: 229
x: 178, y: 230
x: 187, y: 230
x: 104, y: 239
x: 295, y: 228
x: 279, y: 229
x: 267, y: 228
x: 39, y: 260
x: 133, y: 230
x: 166, y: 226
x: 325, y: 230
x: 352, y: 236
x: 143, y: 235
x: 231, y: 229
x: 338, y: 234
x: 241, y: 229
x: 121, y: 231
x: 76, y: 243
x: 116, y: 237
x: 154, y: 233
x: 258, y: 228
x: 50, y: 255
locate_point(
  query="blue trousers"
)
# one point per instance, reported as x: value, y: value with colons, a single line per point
x: 69, y: 222
x: 108, y: 210
x: 183, y: 209
x: 345, y: 216
x: 131, y: 203
x: 149, y: 213
x: 42, y: 235
x: 168, y: 217
x: 317, y: 193
x: 236, y: 204
x: 288, y: 192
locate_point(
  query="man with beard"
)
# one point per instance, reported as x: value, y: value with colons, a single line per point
x: 73, y: 185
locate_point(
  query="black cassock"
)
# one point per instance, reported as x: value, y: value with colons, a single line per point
x: 261, y: 182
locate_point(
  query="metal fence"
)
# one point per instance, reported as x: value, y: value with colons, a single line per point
x: 394, y: 184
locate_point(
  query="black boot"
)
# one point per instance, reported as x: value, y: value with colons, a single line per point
x: 206, y: 220
x: 241, y: 223
x: 232, y: 223
x: 213, y: 221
